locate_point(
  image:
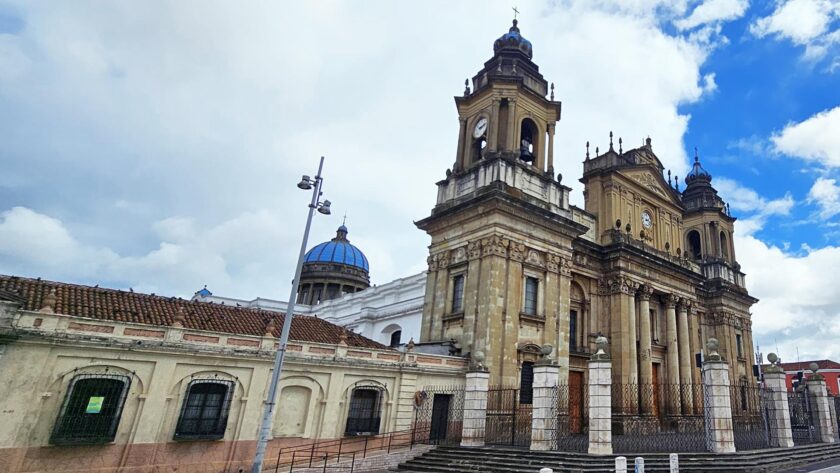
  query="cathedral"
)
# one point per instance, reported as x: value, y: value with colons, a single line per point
x: 514, y: 268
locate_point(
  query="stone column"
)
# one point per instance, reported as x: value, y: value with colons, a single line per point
x: 633, y: 374
x: 475, y: 408
x: 551, y: 149
x: 718, y: 412
x: 672, y: 355
x: 600, y: 410
x: 645, y: 366
x: 826, y: 430
x: 685, y: 358
x: 544, y: 412
x: 779, y: 413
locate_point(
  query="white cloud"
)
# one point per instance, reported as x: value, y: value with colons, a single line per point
x: 815, y: 139
x: 712, y: 11
x: 756, y: 208
x: 804, y: 22
x: 826, y: 194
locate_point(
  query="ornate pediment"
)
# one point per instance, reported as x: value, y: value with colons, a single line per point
x: 651, y: 182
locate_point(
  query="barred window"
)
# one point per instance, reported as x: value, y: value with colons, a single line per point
x: 531, y: 290
x: 91, y: 410
x: 363, y: 417
x: 458, y: 294
x: 204, y: 413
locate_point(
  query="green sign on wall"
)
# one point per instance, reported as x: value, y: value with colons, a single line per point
x: 94, y: 405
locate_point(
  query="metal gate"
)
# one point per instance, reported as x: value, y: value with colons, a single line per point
x: 571, y: 432
x: 802, y: 423
x: 439, y: 415
x: 750, y: 417
x: 508, y: 417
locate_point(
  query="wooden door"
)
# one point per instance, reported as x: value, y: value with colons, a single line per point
x: 575, y: 402
x: 655, y: 389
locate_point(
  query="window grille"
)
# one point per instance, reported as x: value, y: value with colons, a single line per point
x: 204, y: 414
x: 363, y: 417
x: 526, y: 383
x: 458, y: 294
x: 531, y: 289
x: 91, y: 410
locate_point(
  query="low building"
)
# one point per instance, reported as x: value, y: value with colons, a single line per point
x: 105, y: 380
x: 799, y: 370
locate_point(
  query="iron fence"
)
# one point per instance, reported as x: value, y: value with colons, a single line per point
x: 802, y: 422
x: 751, y: 419
x: 836, y: 414
x: 508, y: 420
x: 651, y: 418
x: 571, y: 429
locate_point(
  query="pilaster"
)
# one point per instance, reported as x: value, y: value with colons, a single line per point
x: 475, y: 408
x: 544, y: 412
x: 685, y: 357
x: 672, y: 355
x: 645, y: 366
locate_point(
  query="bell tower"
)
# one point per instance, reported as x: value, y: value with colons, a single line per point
x: 507, y: 113
x: 500, y: 258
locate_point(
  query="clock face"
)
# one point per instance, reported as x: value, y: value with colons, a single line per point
x: 480, y: 128
x: 647, y: 221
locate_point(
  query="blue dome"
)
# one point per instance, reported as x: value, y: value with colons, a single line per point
x: 697, y: 171
x: 338, y: 250
x: 514, y: 40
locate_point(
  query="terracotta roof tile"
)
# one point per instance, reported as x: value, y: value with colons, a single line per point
x: 124, y: 306
x: 803, y: 365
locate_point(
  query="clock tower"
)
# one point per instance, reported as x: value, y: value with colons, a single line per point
x: 499, y: 263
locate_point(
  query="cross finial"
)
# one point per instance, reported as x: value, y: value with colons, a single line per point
x: 515, y: 12
x: 344, y: 220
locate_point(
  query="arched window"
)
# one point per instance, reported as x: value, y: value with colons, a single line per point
x: 724, y: 247
x: 395, y: 338
x: 693, y: 240
x: 204, y: 413
x: 528, y: 141
x: 477, y: 149
x: 92, y: 409
x: 577, y: 326
x: 363, y: 417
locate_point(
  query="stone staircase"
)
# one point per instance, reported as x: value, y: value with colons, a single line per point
x: 510, y: 460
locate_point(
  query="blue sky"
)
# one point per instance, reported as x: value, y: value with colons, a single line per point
x: 156, y: 145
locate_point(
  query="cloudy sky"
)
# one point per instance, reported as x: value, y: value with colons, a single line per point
x: 156, y: 145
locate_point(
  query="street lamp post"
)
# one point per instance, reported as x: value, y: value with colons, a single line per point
x: 268, y: 413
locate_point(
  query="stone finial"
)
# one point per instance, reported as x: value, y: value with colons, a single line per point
x: 712, y: 345
x: 342, y: 338
x: 601, y: 346
x: 269, y: 328
x: 466, y: 87
x: 180, y: 318
x: 611, y: 143
x: 552, y: 91
x: 774, y: 364
x: 587, y: 151
x: 618, y: 224
x: 545, y: 354
x: 647, y: 142
x: 477, y: 361
x: 620, y: 146
x: 48, y: 306
x: 628, y: 228
x: 410, y: 345
x: 814, y: 367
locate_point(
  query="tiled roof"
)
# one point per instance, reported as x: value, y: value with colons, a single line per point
x: 803, y: 365
x: 126, y: 306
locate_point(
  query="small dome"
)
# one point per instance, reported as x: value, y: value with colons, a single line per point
x: 338, y: 250
x: 697, y: 172
x: 513, y: 40
x: 203, y: 292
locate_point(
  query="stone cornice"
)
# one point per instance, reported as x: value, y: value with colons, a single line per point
x: 502, y: 246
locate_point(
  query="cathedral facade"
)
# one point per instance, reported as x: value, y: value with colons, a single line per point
x: 513, y: 267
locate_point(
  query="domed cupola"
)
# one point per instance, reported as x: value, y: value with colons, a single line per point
x: 697, y: 173
x: 513, y: 40
x: 331, y: 269
x: 699, y: 193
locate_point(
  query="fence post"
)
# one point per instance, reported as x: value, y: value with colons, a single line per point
x: 774, y: 379
x: 718, y: 412
x: 475, y: 408
x: 674, y: 463
x: 826, y: 430
x: 639, y: 465
x: 600, y: 407
x: 544, y: 412
x: 620, y: 465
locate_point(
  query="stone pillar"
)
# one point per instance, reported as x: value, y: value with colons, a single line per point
x: 826, y: 430
x: 475, y: 408
x: 600, y: 405
x: 718, y: 412
x: 633, y: 374
x: 551, y: 149
x: 672, y: 355
x: 645, y: 366
x: 779, y: 413
x: 544, y: 412
x: 685, y: 358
